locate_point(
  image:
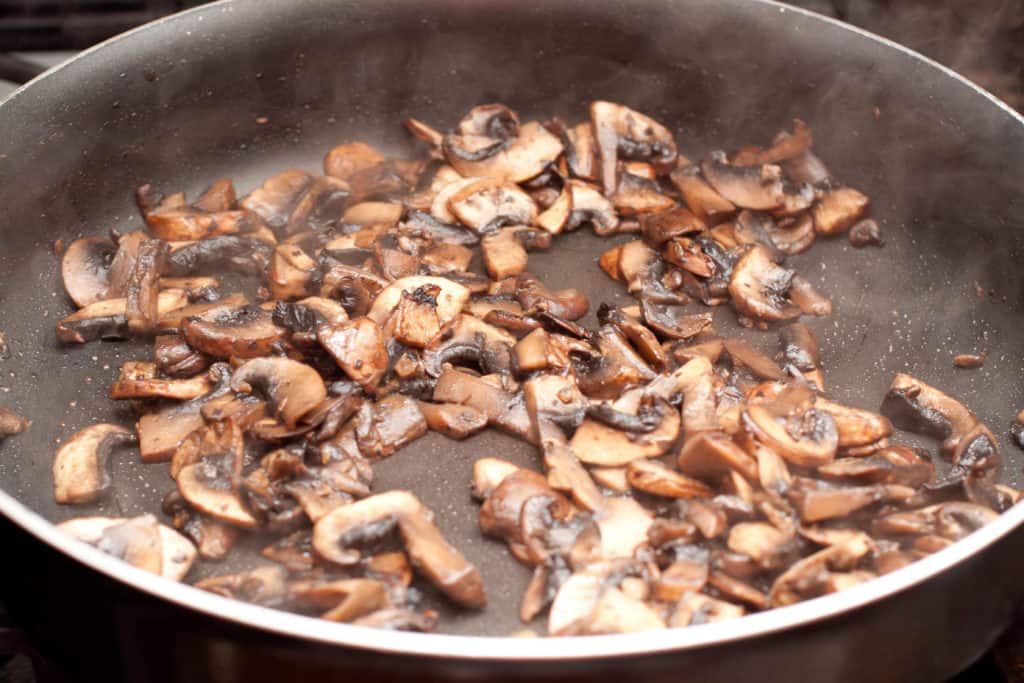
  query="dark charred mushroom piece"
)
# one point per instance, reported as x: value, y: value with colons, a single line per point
x: 80, y: 473
x: 237, y: 253
x: 428, y: 551
x: 749, y: 187
x: 162, y: 432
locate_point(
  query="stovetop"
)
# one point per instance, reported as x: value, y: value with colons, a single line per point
x: 983, y: 39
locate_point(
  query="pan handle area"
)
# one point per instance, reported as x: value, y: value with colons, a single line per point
x: 18, y: 70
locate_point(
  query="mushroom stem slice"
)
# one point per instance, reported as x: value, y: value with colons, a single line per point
x: 80, y: 467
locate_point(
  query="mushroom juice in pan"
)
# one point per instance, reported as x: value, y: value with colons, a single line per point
x: 320, y: 323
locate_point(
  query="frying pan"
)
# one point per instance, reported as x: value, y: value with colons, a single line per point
x: 176, y: 103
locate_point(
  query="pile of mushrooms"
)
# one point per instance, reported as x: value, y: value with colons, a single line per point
x: 682, y: 477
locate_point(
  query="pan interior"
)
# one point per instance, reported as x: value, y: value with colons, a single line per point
x: 941, y: 164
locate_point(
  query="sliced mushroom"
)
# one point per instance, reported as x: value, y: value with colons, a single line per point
x: 358, y: 348
x: 344, y: 599
x: 107, y: 319
x: 469, y: 339
x: 707, y: 204
x: 759, y: 288
x: 697, y: 608
x: 856, y: 427
x: 85, y: 269
x: 804, y: 435
x: 504, y: 251
x: 749, y: 187
x: 636, y: 196
x: 242, y: 332
x: 263, y: 585
x: 511, y: 160
x: 488, y: 204
x: 651, y: 476
x: 920, y: 408
x: 389, y: 424
x: 80, y: 468
x: 453, y: 420
x: 709, y: 455
x: 809, y: 577
x: 626, y: 133
x: 595, y: 443
x: 291, y: 272
x: 808, y: 299
x: 503, y: 408
x: 555, y: 218
x: 450, y: 297
x: 292, y: 388
x: 428, y: 551
x: 590, y: 206
x: 838, y: 210
x: 202, y: 485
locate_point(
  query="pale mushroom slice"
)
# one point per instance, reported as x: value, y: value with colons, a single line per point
x: 80, y: 468
x: 624, y: 133
x: 701, y: 198
x: 292, y: 388
x: 856, y: 428
x: 85, y: 269
x: 651, y: 476
x: 140, y: 541
x: 343, y: 599
x: 428, y: 551
x: 617, y: 612
x: 358, y: 348
x: 453, y: 420
x: 488, y: 204
x: 793, y: 427
x: 203, y: 486
x: 697, y: 608
x: 488, y: 473
x: 556, y: 217
x: 590, y: 206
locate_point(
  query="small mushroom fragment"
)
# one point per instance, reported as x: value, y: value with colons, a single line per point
x: 488, y: 473
x: 504, y: 251
x: 453, y: 420
x: 866, y: 233
x: 292, y: 388
x: 344, y: 599
x: 697, y: 608
x: 274, y: 200
x: 838, y: 210
x: 80, y: 468
x: 85, y: 269
x: 11, y: 424
x: 143, y: 287
x: 759, y: 288
x: 556, y: 217
x: 428, y: 551
x: 626, y: 133
x: 590, y: 206
x: 810, y: 576
x: 150, y: 387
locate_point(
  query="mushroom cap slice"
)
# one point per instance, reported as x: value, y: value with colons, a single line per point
x: 621, y: 131
x: 759, y: 287
x: 488, y: 473
x: 428, y: 551
x: 617, y: 612
x: 292, y: 388
x: 623, y: 523
x: 658, y: 479
x: 244, y: 332
x: 807, y: 439
x: 488, y: 204
x: 574, y: 602
x: 749, y: 187
x: 450, y: 298
x: 85, y: 269
x: 178, y: 554
x: 200, y: 487
x: 140, y: 541
x: 108, y: 319
x: 79, y: 469
x: 519, y: 159
x: 590, y: 206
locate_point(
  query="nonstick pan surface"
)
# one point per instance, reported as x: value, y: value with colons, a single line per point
x: 177, y: 105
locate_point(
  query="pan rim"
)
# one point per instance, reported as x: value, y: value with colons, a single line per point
x: 496, y: 649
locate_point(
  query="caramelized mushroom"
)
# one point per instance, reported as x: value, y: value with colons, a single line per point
x: 623, y: 132
x: 759, y: 288
x: 838, y: 210
x: 291, y: 388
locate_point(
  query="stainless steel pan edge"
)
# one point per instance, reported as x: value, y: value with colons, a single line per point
x: 496, y: 648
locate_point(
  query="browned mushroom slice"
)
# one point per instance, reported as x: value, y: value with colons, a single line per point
x: 488, y: 473
x: 504, y: 251
x: 856, y: 427
x: 920, y: 408
x: 653, y: 477
x: 794, y: 428
x: 320, y: 207
x: 595, y: 443
x: 710, y: 455
x: 808, y: 299
x: 345, y: 161
x: 203, y: 486
x: 503, y: 408
x: 659, y: 228
x: 263, y: 585
x: 80, y: 468
x: 672, y: 321
x: 705, y: 203
x: 389, y: 424
x: 450, y: 298
x: 398, y: 619
x: 470, y: 340
x: 423, y: 132
x: 819, y: 502
x: 809, y: 577
x: 488, y: 204
x: 590, y: 206
x: 344, y: 599
x: 513, y: 160
x: 838, y: 210
x: 161, y: 433
x: 358, y: 348
x: 143, y: 287
x: 696, y: 608
x: 442, y: 259
x: 799, y: 347
x: 759, y: 288
x: 581, y: 151
x: 370, y: 213
x: 291, y: 272
x: 623, y: 132
x: 11, y: 424
x: 172, y: 319
x: 635, y: 196
x: 556, y: 217
x: 291, y: 388
x: 638, y: 334
x: 534, y: 297
x: 502, y: 513
x: 749, y: 187
x: 770, y: 547
x: 139, y: 541
x: 85, y: 269
x: 107, y: 319
x: 785, y: 146
x: 453, y: 420
x: 428, y: 551
x: 743, y: 353
x: 243, y: 332
x: 213, y: 539
x: 274, y: 200
x: 617, y: 612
